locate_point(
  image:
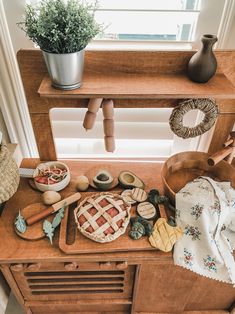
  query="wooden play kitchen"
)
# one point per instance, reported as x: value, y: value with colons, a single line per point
x: 76, y: 274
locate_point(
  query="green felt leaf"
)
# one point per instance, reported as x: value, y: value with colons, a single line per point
x: 20, y: 223
x: 58, y: 217
x: 48, y: 229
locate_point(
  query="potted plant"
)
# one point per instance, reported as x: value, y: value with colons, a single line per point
x: 62, y: 29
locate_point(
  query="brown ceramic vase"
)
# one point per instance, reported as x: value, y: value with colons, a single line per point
x: 202, y: 66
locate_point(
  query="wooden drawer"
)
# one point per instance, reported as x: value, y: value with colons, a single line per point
x: 74, y: 281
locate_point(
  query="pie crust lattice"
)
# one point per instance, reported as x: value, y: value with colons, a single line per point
x: 103, y: 217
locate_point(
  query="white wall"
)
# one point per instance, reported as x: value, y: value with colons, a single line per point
x: 230, y: 43
x: 14, y: 10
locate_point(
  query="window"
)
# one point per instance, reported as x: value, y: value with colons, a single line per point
x: 154, y: 20
x: 139, y: 133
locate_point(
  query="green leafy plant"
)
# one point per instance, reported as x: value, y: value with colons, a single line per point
x: 60, y: 26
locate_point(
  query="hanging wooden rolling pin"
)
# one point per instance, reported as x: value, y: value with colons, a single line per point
x: 108, y: 124
x: 90, y: 116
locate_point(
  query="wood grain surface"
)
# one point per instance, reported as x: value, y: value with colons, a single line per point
x: 18, y: 250
x: 34, y: 232
x: 132, y: 65
x: 142, y: 86
x: 160, y: 286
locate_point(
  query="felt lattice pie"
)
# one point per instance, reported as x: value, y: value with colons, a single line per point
x: 103, y: 217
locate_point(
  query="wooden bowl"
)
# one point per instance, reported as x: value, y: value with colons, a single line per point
x: 184, y: 167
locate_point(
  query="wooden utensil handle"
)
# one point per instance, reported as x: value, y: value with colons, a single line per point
x: 67, y: 201
x: 35, y: 218
x: 228, y: 142
x: 217, y: 157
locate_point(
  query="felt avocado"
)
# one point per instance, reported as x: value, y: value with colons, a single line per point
x: 128, y: 179
x: 103, y: 180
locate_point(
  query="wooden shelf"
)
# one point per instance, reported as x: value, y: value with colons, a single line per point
x: 142, y: 86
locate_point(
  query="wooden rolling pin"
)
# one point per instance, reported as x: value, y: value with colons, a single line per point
x: 52, y: 209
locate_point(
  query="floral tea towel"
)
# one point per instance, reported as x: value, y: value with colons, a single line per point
x: 205, y: 210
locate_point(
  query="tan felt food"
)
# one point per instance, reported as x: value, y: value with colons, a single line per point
x: 164, y: 236
x: 139, y: 195
x: 103, y: 217
x: 146, y: 210
x: 126, y: 194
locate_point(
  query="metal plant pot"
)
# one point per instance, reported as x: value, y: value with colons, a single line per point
x: 65, y: 70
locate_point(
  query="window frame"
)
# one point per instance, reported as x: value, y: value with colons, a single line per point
x: 16, y: 111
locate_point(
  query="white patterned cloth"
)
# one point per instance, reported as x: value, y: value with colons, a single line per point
x: 205, y: 210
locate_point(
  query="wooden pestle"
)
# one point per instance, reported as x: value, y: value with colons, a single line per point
x: 90, y: 116
x: 108, y: 124
x: 52, y: 209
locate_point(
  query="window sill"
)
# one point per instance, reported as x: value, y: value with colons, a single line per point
x: 138, y: 45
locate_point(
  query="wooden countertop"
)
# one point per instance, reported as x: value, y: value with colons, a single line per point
x: 16, y: 250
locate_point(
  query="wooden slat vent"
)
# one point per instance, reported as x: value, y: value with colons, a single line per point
x: 75, y: 282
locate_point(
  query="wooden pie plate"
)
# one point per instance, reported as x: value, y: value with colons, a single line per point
x: 90, y: 174
x: 34, y: 232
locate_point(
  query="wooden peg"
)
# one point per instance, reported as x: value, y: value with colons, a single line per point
x: 89, y: 120
x: 33, y: 266
x: 121, y: 265
x: 105, y: 265
x: 108, y: 109
x: 109, y: 144
x: 108, y: 127
x: 90, y: 116
x: 71, y: 266
x: 94, y: 104
x: 108, y: 124
x: 18, y: 267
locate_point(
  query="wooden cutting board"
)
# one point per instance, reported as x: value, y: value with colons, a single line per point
x: 71, y: 241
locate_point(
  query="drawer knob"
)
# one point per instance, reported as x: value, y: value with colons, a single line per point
x: 105, y: 265
x: 121, y: 265
x: 71, y: 266
x: 18, y: 267
x: 34, y: 266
